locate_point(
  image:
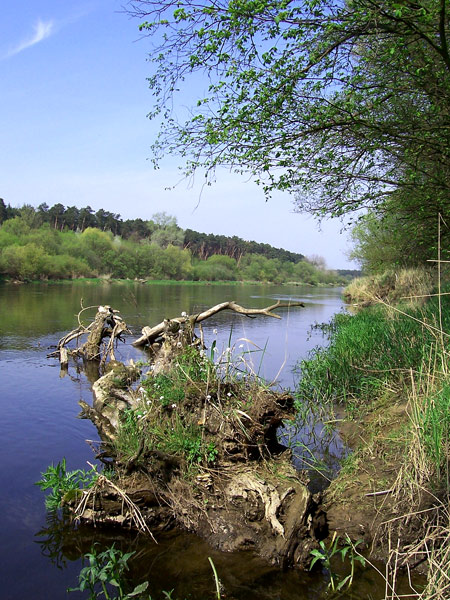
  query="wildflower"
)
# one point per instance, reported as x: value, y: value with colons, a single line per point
x: 208, y: 397
x: 161, y: 397
x: 149, y: 401
x: 229, y: 394
x: 215, y: 349
x: 184, y: 314
x: 215, y: 331
x: 241, y: 345
x: 173, y: 405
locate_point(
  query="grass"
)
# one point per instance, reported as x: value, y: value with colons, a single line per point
x: 380, y: 357
x: 368, y: 351
x: 158, y: 424
x: 433, y: 420
x: 412, y: 285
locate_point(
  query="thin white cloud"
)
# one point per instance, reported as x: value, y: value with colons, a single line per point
x: 42, y: 30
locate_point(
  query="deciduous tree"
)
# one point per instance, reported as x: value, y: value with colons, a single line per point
x: 341, y: 102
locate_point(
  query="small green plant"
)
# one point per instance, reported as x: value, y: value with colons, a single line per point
x: 181, y: 439
x: 336, y: 548
x: 106, y: 569
x: 193, y: 365
x: 64, y: 484
x: 211, y: 452
x: 163, y: 389
x: 216, y: 578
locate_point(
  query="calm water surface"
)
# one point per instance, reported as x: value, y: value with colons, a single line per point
x: 39, y: 426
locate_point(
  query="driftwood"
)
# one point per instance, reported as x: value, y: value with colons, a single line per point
x: 106, y: 324
x: 151, y: 334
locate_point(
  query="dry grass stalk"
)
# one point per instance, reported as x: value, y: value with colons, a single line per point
x: 133, y: 510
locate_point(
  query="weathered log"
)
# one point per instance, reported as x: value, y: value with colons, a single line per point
x: 106, y: 324
x: 113, y: 392
x: 150, y: 334
x: 63, y: 357
x: 103, y: 424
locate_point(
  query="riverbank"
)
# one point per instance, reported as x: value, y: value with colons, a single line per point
x: 102, y: 280
x: 31, y: 251
x: 385, y: 373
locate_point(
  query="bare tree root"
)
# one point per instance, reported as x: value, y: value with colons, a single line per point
x: 106, y: 324
x: 132, y: 511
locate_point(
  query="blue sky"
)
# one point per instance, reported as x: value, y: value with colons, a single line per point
x: 73, y: 106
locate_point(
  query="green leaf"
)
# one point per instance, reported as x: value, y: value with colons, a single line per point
x: 138, y: 589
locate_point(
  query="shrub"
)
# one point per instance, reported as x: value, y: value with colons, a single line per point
x: 409, y: 286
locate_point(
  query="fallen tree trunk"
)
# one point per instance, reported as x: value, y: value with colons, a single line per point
x: 151, y: 334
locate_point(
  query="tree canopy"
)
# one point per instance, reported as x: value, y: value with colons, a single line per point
x: 341, y: 102
x: 161, y: 230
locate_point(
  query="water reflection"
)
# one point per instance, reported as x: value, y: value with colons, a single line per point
x: 179, y: 562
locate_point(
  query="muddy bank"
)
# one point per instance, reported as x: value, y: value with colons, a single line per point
x: 369, y: 500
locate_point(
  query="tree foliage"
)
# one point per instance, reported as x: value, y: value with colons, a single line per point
x: 394, y: 238
x: 31, y: 252
x: 162, y: 229
x: 341, y: 102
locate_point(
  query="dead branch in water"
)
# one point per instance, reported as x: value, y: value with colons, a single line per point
x: 150, y: 334
x: 106, y: 324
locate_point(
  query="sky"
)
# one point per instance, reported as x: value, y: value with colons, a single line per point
x: 74, y: 100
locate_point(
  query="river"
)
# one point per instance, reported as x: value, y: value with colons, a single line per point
x: 39, y: 425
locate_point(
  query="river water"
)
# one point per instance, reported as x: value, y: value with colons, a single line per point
x: 39, y: 426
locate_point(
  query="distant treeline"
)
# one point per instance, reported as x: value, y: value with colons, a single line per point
x: 65, y: 243
x: 201, y: 245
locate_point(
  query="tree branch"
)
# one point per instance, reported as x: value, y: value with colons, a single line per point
x: 150, y: 334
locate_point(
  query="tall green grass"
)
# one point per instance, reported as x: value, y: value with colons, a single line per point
x: 369, y: 350
x: 433, y: 422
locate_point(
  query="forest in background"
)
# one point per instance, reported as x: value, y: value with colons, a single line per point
x: 61, y: 242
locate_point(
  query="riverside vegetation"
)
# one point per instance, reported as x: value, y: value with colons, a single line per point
x: 385, y: 374
x: 193, y: 444
x: 33, y: 248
